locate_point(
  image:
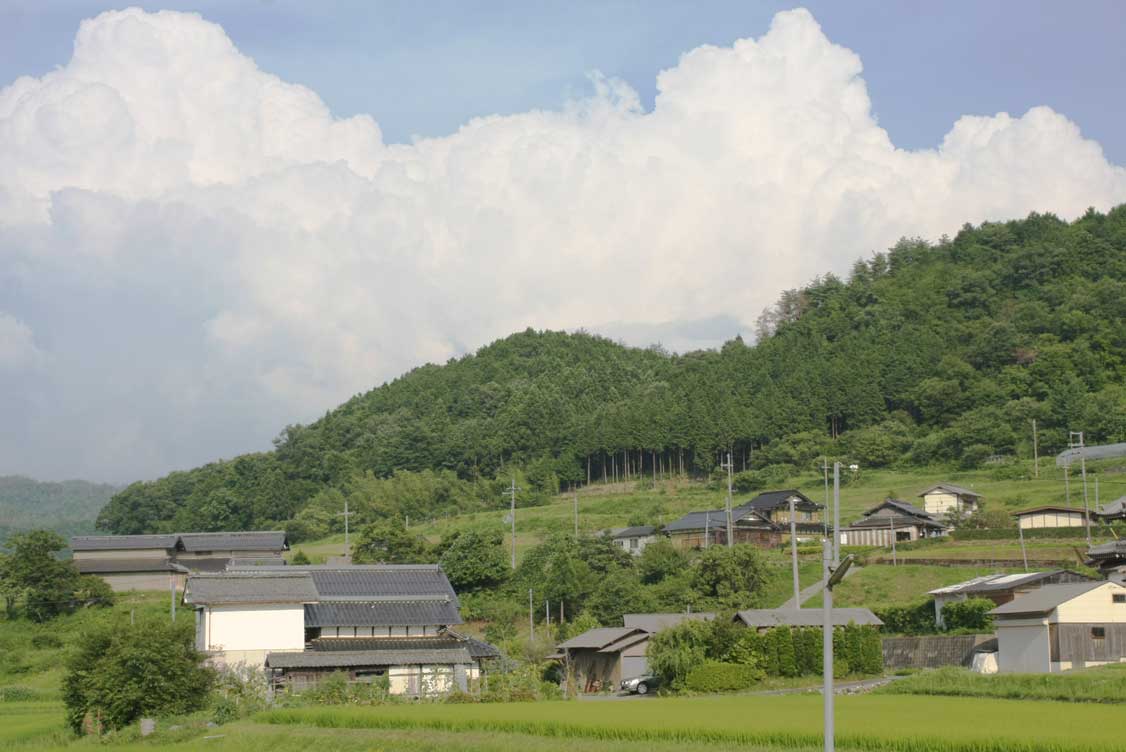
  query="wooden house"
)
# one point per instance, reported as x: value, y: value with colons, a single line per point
x: 890, y: 519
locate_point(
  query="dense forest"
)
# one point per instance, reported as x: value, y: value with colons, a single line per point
x: 929, y: 353
x: 67, y: 507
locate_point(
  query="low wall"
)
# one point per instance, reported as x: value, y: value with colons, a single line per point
x: 932, y: 651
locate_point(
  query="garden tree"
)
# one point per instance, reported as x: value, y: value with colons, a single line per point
x: 389, y: 543
x: 33, y: 581
x: 970, y: 615
x: 300, y: 558
x: 122, y: 671
x: 928, y: 353
x: 474, y: 559
x: 672, y: 653
x: 989, y: 518
x: 659, y: 560
x: 730, y: 577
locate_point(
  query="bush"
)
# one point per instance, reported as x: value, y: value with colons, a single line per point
x: 19, y: 694
x: 674, y: 652
x: 120, y: 672
x: 714, y: 676
x: 45, y: 640
x: 915, y: 619
x: 969, y: 615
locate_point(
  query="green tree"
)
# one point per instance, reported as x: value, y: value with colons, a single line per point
x: 618, y: 594
x: 674, y: 652
x: 730, y: 577
x: 659, y: 560
x: 120, y: 672
x: 389, y: 543
x: 300, y: 558
x: 474, y: 559
x: 34, y: 581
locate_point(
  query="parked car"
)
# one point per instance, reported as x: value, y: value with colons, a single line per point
x: 641, y: 685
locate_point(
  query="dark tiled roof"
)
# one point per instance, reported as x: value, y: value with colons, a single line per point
x: 382, y: 613
x: 958, y: 490
x: 600, y: 637
x: 274, y: 587
x: 123, y: 542
x: 637, y: 531
x: 805, y: 617
x: 1046, y: 598
x: 1116, y: 508
x: 252, y: 540
x: 372, y: 581
x: 657, y: 622
x: 111, y: 566
x: 1104, y: 551
x: 768, y: 501
x: 358, y: 658
x: 476, y: 648
x: 204, y: 564
x: 716, y: 519
x: 900, y: 506
x: 261, y: 561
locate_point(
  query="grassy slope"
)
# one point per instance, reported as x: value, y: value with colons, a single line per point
x: 1105, y: 684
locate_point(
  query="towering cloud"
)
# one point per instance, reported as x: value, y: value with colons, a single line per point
x: 194, y: 252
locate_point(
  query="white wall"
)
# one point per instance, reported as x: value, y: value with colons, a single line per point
x: 1023, y: 648
x: 1093, y: 607
x: 254, y: 628
x: 940, y: 502
x: 1051, y: 519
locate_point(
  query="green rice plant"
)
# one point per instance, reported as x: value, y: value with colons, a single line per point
x: 1103, y: 685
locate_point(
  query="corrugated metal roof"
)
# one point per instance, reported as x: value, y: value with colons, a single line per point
x: 250, y: 540
x: 993, y: 582
x: 1045, y: 599
x: 123, y: 542
x: 387, y: 613
x: 354, y: 659
x: 447, y: 640
x: 1101, y: 452
x: 599, y: 637
x: 657, y: 622
x: 805, y: 617
x: 274, y: 587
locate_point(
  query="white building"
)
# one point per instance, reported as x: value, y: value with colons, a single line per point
x: 1000, y: 588
x: 303, y: 623
x: 944, y: 498
x: 634, y: 539
x: 1060, y: 627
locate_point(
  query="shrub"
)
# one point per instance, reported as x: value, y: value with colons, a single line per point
x: 714, y: 676
x: 19, y: 694
x: 674, y: 652
x: 46, y: 640
x: 300, y: 558
x: 908, y: 620
x: 120, y: 672
x: 970, y: 615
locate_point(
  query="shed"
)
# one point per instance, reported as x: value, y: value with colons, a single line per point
x: 1059, y: 627
x: 602, y: 657
x: 1050, y: 516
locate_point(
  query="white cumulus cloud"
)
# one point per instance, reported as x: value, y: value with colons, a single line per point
x: 210, y: 254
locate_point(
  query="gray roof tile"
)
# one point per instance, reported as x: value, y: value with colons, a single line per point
x: 366, y: 581
x: 657, y: 622
x: 600, y: 637
x: 358, y: 658
x: 805, y: 617
x: 382, y: 613
x: 250, y: 540
x: 447, y: 640
x: 122, y: 542
x: 111, y: 566
x: 272, y: 587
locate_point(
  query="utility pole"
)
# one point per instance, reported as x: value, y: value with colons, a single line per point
x: 727, y: 504
x: 172, y: 589
x: 1023, y: 553
x: 346, y: 514
x: 825, y: 513
x: 827, y: 555
x: 891, y: 526
x: 707, y: 527
x: 836, y: 513
x: 576, y: 490
x: 1083, y: 471
x: 511, y: 494
x: 531, y: 618
x: 794, y: 552
x: 1067, y: 480
x: 1035, y: 451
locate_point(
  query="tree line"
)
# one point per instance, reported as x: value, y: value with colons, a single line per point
x: 928, y: 353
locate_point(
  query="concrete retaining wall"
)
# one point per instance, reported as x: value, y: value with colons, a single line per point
x: 932, y: 651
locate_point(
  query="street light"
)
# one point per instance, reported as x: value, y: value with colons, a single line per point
x: 833, y: 575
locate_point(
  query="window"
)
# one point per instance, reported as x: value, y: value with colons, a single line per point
x: 1119, y: 597
x: 1098, y: 633
x: 633, y: 542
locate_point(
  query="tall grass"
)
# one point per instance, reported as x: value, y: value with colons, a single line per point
x: 1103, y: 685
x: 891, y: 724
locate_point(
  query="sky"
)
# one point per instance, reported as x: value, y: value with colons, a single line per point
x: 215, y: 223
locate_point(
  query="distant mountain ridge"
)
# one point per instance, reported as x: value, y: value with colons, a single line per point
x: 68, y: 507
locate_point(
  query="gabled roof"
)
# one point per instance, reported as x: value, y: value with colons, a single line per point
x: 1116, y: 508
x: 262, y: 587
x: 371, y: 581
x: 900, y: 506
x: 805, y: 617
x: 115, y: 565
x: 716, y: 519
x: 600, y: 637
x: 1048, y: 508
x: 1045, y: 599
x: 951, y: 488
x: 250, y: 540
x: 656, y: 622
x: 388, y: 612
x: 123, y: 542
x: 258, y: 561
x: 992, y: 583
x: 637, y: 531
x: 1115, y: 549
x: 768, y: 501
x: 374, y: 658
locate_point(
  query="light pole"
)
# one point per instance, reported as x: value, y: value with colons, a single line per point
x: 794, y: 551
x: 833, y: 575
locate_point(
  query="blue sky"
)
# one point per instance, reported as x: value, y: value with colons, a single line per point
x: 426, y: 68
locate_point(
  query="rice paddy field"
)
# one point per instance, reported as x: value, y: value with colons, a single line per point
x: 791, y: 722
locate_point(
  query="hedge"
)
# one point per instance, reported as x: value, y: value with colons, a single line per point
x: 715, y: 676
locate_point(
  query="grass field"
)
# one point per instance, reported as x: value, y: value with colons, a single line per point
x: 1105, y: 684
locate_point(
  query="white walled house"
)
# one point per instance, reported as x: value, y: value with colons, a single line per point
x: 943, y: 498
x: 634, y: 539
x: 1050, y: 516
x: 301, y: 623
x: 1060, y: 627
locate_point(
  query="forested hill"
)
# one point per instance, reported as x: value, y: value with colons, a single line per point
x: 68, y: 507
x: 928, y: 353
